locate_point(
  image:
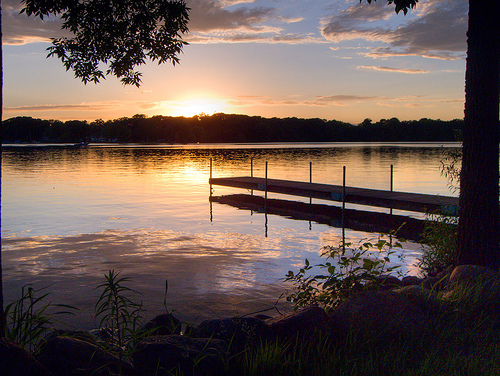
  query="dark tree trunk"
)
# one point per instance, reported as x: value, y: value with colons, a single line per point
x: 478, y: 229
x: 2, y: 316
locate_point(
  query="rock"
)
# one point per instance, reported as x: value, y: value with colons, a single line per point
x: 164, y: 324
x: 237, y: 331
x: 445, y: 273
x: 472, y: 273
x: 422, y: 297
x: 102, y: 334
x: 387, y: 282
x: 435, y: 283
x: 78, y: 334
x: 15, y: 361
x: 479, y: 287
x: 411, y: 281
x: 301, y: 324
x: 382, y: 312
x: 70, y: 356
x: 166, y: 355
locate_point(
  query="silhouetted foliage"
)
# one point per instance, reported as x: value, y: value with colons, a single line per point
x: 119, y: 34
x: 225, y: 128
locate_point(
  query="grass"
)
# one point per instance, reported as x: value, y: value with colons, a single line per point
x: 463, y: 338
x: 446, y: 349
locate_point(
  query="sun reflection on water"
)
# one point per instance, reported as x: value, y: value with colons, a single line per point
x: 71, y: 215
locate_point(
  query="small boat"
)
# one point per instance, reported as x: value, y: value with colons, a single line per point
x: 82, y: 144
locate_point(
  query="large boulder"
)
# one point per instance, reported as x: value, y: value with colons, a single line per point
x: 238, y: 331
x: 411, y: 280
x: 305, y: 323
x: 15, y: 361
x: 473, y: 274
x: 70, y: 356
x: 476, y: 289
x: 423, y: 298
x: 166, y: 355
x: 386, y: 313
x: 385, y: 282
x: 435, y: 283
x: 78, y: 334
x: 161, y: 325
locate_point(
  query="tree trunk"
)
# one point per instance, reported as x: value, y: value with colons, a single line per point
x: 2, y: 316
x: 479, y: 227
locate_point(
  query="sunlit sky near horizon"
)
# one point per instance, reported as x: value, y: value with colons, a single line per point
x: 331, y: 59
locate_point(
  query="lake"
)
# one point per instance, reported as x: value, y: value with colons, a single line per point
x: 71, y: 214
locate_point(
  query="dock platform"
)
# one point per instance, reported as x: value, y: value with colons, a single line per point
x: 415, y: 202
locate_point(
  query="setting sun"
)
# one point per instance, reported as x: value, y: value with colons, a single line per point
x: 191, y: 107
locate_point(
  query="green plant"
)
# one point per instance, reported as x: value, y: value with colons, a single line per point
x: 438, y: 244
x: 120, y: 316
x: 30, y: 318
x: 348, y: 269
x: 451, y: 167
x: 439, y: 239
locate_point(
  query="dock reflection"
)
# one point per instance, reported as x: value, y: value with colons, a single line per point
x: 358, y: 220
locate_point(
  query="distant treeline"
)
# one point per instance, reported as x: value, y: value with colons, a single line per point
x: 224, y: 128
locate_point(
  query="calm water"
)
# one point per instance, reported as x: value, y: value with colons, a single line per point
x: 70, y: 215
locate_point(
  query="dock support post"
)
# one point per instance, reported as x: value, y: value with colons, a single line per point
x: 211, y: 176
x: 310, y: 181
x: 310, y: 178
x: 265, y: 205
x: 211, y: 213
x: 251, y: 174
x: 343, y: 208
x: 392, y: 183
x: 266, y: 183
x: 392, y: 178
x: 392, y: 189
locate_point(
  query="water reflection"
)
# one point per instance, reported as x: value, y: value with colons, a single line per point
x: 69, y: 215
x: 195, y: 266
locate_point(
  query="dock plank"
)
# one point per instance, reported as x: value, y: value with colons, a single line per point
x: 416, y: 202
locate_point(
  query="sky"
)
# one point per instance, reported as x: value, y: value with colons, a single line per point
x: 328, y: 59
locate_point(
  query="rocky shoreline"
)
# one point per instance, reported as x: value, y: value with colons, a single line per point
x: 397, y: 308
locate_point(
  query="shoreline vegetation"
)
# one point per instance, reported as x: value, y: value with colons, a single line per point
x: 226, y: 128
x: 442, y: 325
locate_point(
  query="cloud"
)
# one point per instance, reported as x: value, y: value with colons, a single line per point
x: 436, y: 30
x: 65, y: 107
x: 228, y: 3
x: 21, y: 29
x: 355, y: 23
x: 211, y: 21
x: 297, y: 100
x: 342, y: 100
x: 242, y: 37
x: 396, y: 70
x: 212, y: 15
x: 384, y: 52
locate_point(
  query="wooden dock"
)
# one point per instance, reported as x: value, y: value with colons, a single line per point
x: 415, y: 202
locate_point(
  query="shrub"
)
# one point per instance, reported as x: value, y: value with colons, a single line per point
x: 120, y: 316
x: 438, y: 244
x: 348, y: 269
x: 29, y: 318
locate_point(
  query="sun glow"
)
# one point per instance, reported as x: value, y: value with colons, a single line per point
x: 191, y: 107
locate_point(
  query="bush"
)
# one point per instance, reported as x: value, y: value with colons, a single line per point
x: 30, y: 318
x: 438, y: 244
x: 348, y: 270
